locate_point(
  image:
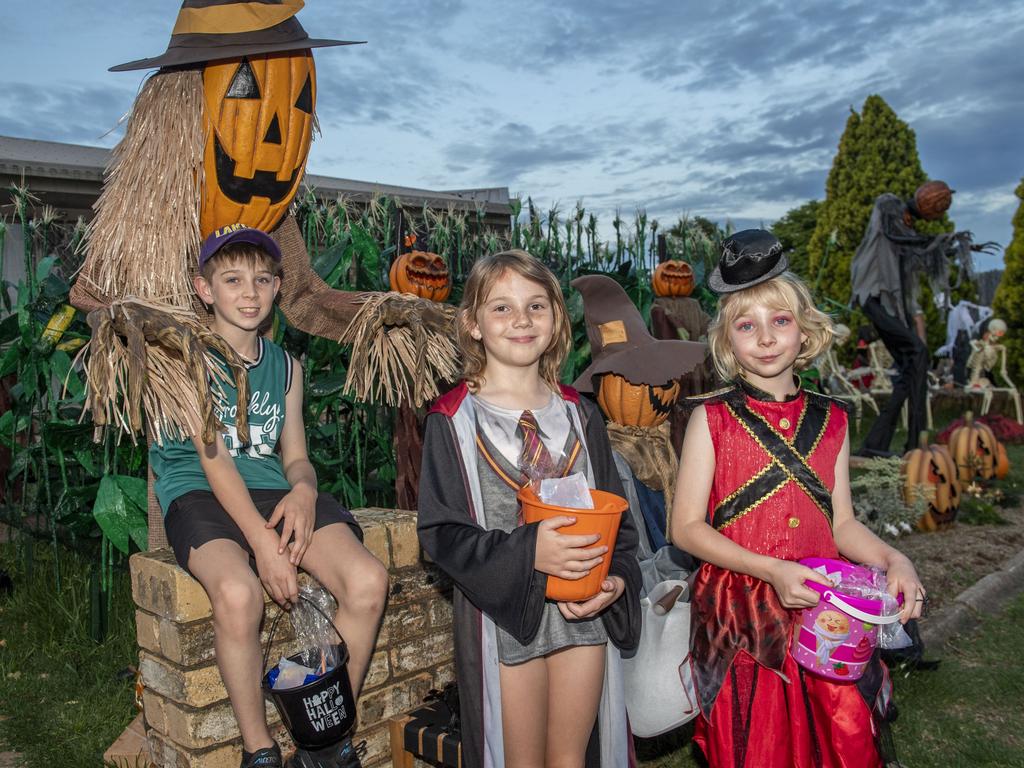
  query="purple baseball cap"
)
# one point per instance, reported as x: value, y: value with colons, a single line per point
x: 237, y: 233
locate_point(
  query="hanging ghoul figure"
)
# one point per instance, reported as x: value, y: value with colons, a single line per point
x: 885, y: 274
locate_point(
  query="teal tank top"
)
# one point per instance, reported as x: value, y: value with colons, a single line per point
x: 176, y: 465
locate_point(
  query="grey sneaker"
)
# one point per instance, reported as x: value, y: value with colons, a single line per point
x: 268, y: 757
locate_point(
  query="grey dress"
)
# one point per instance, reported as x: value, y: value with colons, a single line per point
x: 499, y: 445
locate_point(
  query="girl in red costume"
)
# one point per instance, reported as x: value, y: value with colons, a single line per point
x: 767, y: 465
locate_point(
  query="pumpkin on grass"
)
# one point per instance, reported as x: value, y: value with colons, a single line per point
x: 422, y: 274
x: 973, y: 447
x: 672, y: 278
x: 636, y: 405
x: 258, y: 114
x: 931, y: 474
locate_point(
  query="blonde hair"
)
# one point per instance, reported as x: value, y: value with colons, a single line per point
x: 482, y: 277
x: 787, y: 292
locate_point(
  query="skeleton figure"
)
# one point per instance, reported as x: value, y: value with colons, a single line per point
x: 986, y: 354
x: 835, y: 378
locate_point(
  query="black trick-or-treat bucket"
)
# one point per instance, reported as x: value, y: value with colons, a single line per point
x: 319, y: 713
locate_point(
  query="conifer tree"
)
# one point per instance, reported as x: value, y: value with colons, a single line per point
x: 1009, y: 301
x: 877, y: 153
x: 794, y: 231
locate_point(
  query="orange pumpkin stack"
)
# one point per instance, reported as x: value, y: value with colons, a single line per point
x: 974, y: 448
x: 930, y: 473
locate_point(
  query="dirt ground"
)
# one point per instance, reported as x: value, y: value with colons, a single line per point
x: 950, y: 561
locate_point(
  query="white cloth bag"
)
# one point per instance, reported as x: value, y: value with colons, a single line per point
x: 659, y: 687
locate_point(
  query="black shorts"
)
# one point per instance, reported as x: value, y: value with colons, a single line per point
x: 196, y: 517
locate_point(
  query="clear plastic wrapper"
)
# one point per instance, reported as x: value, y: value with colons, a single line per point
x: 873, y: 585
x: 571, y: 491
x: 313, y: 632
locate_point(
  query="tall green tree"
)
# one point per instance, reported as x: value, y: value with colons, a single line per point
x: 1009, y: 300
x: 877, y: 153
x: 794, y: 231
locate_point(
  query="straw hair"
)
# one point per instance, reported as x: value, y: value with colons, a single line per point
x: 482, y: 277
x: 153, y: 365
x: 401, y: 349
x: 785, y: 292
x: 145, y: 236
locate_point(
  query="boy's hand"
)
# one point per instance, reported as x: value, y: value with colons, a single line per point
x: 788, y: 580
x: 611, y: 589
x: 298, y: 510
x: 565, y: 556
x: 277, y: 574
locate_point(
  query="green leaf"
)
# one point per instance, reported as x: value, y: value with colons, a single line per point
x: 44, y: 267
x: 7, y: 426
x: 120, y: 510
x: 327, y: 385
x: 87, y: 462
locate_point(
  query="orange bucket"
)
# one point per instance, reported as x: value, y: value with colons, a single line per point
x: 603, y: 519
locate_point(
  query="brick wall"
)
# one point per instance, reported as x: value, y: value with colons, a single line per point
x: 189, y: 721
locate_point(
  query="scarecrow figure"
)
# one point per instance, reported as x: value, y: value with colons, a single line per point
x: 677, y: 315
x: 220, y: 135
x: 635, y: 379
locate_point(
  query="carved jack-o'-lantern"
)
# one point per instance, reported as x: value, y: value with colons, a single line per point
x: 673, y: 278
x: 258, y: 112
x: 422, y: 274
x: 973, y: 447
x: 933, y: 199
x: 930, y: 473
x: 637, y: 405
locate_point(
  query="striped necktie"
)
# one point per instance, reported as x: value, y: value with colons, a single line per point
x: 535, y: 455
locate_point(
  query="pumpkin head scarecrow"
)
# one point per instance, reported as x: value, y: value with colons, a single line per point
x: 634, y: 377
x: 220, y: 135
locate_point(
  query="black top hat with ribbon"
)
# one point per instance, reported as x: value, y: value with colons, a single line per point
x: 210, y: 30
x: 620, y: 342
x: 749, y: 257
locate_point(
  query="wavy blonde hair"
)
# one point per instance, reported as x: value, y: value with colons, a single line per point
x: 787, y: 292
x: 482, y: 277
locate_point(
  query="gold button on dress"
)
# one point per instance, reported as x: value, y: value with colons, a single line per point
x: 794, y: 522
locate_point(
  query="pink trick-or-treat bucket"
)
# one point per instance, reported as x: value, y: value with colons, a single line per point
x: 837, y: 637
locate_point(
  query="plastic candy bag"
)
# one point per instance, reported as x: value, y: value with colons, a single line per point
x: 314, y: 633
x: 875, y: 586
x: 571, y: 491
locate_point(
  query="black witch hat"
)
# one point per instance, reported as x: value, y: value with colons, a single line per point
x: 210, y: 30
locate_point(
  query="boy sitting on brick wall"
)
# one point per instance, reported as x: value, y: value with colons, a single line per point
x: 228, y: 506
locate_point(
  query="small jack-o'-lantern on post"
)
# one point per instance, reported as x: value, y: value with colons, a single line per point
x: 420, y: 272
x: 673, y: 277
x: 634, y: 377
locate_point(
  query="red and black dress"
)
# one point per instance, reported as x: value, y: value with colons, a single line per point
x: 772, y: 494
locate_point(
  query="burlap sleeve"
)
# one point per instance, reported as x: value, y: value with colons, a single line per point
x: 306, y: 300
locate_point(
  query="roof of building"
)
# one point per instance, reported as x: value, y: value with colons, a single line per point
x: 69, y: 176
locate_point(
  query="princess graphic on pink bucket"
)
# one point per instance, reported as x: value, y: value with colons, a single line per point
x: 837, y: 637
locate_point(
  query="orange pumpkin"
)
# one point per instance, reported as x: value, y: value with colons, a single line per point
x: 973, y: 446
x: 258, y: 114
x: 673, y: 278
x: 637, y: 405
x: 1002, y: 468
x: 930, y: 473
x: 422, y: 274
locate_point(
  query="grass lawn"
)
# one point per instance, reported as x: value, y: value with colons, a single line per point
x: 63, y: 698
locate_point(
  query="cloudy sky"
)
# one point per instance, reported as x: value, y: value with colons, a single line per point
x: 730, y: 110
